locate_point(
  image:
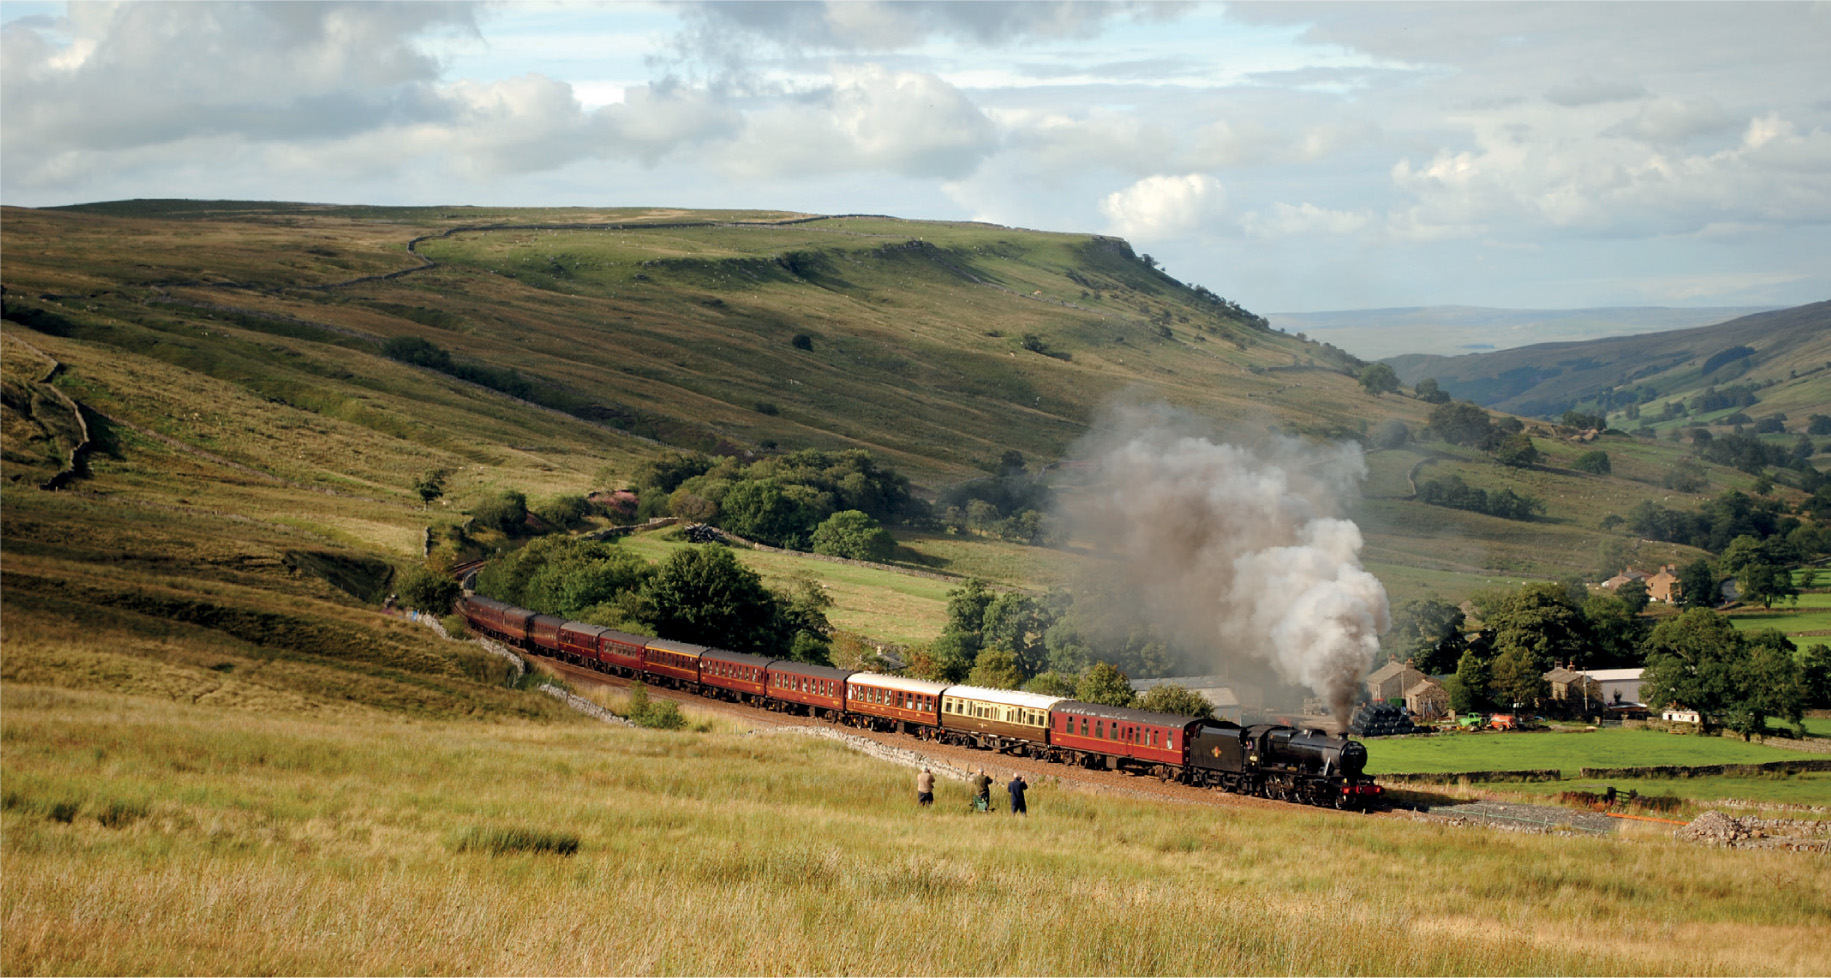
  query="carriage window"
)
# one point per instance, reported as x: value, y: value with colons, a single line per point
x: 1099, y: 728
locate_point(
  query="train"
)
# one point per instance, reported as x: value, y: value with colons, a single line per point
x: 1269, y: 760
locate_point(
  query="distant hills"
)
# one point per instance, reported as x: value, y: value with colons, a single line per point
x: 1784, y: 353
x: 1453, y: 330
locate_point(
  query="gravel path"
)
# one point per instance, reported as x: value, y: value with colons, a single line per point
x: 1527, y: 818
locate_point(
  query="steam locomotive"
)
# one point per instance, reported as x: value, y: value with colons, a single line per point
x: 1270, y: 760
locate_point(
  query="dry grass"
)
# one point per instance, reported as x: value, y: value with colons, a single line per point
x: 244, y: 843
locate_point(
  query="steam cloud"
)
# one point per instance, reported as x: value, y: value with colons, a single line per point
x: 1240, y: 548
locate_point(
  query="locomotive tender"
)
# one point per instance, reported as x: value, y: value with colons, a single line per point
x: 1271, y: 760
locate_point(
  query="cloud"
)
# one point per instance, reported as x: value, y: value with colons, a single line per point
x: 873, y: 25
x: 908, y: 123
x: 1286, y: 220
x: 1160, y: 207
x: 1584, y: 90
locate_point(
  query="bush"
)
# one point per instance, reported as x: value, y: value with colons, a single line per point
x: 504, y: 842
x: 1595, y: 463
x: 802, y: 341
x: 424, y: 590
x: 1176, y: 700
x: 652, y: 713
x: 563, y: 511
x: 852, y: 534
x: 1391, y: 433
x: 455, y: 626
x: 506, y: 513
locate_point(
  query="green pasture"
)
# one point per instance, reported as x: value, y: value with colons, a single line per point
x: 1609, y: 747
x: 1807, y: 621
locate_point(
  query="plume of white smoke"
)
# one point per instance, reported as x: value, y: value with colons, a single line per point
x: 1240, y: 548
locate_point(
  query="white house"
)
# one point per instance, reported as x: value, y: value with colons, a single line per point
x: 1620, y: 687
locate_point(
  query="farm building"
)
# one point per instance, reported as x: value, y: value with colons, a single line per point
x: 1390, y: 682
x: 1659, y: 586
x: 1620, y: 687
x: 1574, y: 687
x: 1622, y: 578
x: 1428, y: 700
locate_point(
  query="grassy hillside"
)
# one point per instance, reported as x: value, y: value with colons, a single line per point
x: 1787, y: 351
x: 229, y: 358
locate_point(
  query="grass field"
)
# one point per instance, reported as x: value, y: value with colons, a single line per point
x: 145, y: 836
x: 1612, y: 747
x: 1807, y: 620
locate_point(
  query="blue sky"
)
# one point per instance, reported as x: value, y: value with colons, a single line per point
x: 1291, y: 156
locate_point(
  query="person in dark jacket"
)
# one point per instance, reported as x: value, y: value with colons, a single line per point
x: 1016, y: 788
x: 982, y: 791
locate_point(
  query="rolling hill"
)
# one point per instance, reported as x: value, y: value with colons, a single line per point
x: 1787, y: 353
x: 257, y: 388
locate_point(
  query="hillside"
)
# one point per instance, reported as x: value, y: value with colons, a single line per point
x: 1787, y: 352
x: 251, y: 447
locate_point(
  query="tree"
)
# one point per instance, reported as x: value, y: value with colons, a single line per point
x: 1595, y: 463
x: 1634, y: 593
x: 1104, y: 683
x: 1767, y: 584
x: 1517, y: 450
x: 1378, y: 378
x: 1050, y: 683
x: 966, y: 606
x: 704, y: 596
x: 996, y: 669
x: 1519, y: 679
x: 1429, y: 632
x: 430, y: 486
x: 855, y: 535
x: 802, y: 341
x: 761, y: 510
x: 1468, y: 688
x: 506, y: 513
x: 1176, y: 700
x: 1697, y: 585
x: 1816, y: 673
x: 1391, y: 433
x: 1542, y: 622
x: 425, y: 590
x: 1428, y: 392
x: 1462, y: 423
x: 1699, y: 661
x: 1017, y: 622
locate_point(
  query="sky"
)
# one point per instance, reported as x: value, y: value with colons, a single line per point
x: 1292, y: 157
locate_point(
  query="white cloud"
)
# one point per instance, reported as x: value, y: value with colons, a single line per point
x: 1286, y: 220
x: 908, y: 123
x: 1160, y: 207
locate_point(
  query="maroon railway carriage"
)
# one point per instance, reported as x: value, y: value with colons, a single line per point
x: 543, y: 632
x: 497, y: 618
x: 894, y: 703
x: 672, y: 663
x: 579, y: 642
x: 1116, y: 736
x: 621, y: 652
x: 818, y: 691
x: 734, y: 676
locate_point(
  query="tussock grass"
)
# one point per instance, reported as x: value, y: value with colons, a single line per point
x: 292, y: 844
x: 504, y: 842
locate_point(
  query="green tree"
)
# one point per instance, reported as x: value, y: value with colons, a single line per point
x: 1697, y: 585
x: 1816, y: 674
x: 1468, y: 688
x: 1542, y: 622
x: 1517, y: 450
x: 1699, y: 661
x: 1429, y: 632
x: 996, y: 669
x: 425, y: 590
x: 1518, y: 679
x: 505, y: 513
x: 1767, y: 584
x: 1378, y: 378
x: 1429, y: 392
x: 1617, y: 632
x: 853, y: 534
x: 1104, y: 683
x: 966, y: 606
x: 1634, y: 593
x: 1050, y: 683
x: 703, y: 595
x: 1017, y: 622
x: 763, y: 511
x: 1770, y: 684
x: 1595, y: 463
x: 1176, y: 700
x: 1462, y: 423
x: 430, y: 486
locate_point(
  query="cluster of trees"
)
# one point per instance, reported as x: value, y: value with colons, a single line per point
x: 1450, y: 491
x: 1746, y: 451
x: 1697, y: 660
x: 1011, y: 505
x: 1047, y: 644
x: 1505, y: 438
x: 700, y: 594
x: 785, y: 500
x: 1735, y: 514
